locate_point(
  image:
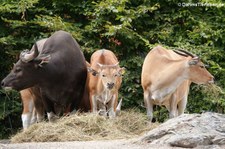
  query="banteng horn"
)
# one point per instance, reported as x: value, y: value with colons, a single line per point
x: 187, y: 53
x: 180, y: 53
x: 27, y: 55
x: 108, y: 66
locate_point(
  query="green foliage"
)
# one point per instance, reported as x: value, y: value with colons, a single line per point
x: 10, y: 111
x: 129, y: 28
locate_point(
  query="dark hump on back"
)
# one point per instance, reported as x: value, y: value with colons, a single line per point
x: 58, y: 41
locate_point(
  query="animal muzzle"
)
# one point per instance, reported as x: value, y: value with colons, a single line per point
x: 3, y: 85
x: 211, y: 81
x: 110, y: 85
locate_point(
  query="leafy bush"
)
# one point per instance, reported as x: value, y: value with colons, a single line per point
x: 10, y: 111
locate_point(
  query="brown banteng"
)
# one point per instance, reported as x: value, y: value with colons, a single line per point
x: 105, y: 79
x: 166, y: 77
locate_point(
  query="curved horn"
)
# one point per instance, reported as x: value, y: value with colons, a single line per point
x: 107, y: 66
x: 117, y: 64
x: 188, y: 53
x: 182, y: 54
x: 100, y: 65
x: 27, y: 55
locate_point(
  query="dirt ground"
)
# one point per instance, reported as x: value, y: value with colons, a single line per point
x: 115, y: 144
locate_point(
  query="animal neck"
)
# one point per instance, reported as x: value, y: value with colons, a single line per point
x: 105, y: 96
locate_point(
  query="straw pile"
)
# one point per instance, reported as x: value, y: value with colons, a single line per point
x: 211, y: 90
x: 87, y: 127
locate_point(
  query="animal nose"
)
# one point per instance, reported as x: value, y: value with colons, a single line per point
x: 110, y: 85
x: 211, y: 80
x: 2, y: 83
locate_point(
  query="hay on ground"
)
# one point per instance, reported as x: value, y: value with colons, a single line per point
x: 87, y: 127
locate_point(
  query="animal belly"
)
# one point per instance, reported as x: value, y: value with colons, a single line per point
x: 161, y: 100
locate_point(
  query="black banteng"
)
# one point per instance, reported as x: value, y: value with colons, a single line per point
x: 59, y: 70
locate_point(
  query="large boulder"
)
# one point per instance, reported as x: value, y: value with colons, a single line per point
x: 205, y: 130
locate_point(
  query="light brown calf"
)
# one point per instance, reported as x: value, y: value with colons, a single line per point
x: 105, y: 77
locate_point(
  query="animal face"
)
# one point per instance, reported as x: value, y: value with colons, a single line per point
x: 109, y: 75
x: 20, y: 77
x: 26, y: 72
x: 198, y: 73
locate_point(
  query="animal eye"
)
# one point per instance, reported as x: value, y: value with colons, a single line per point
x: 206, y: 66
x: 18, y: 69
x: 115, y: 75
x: 103, y: 75
x: 202, y: 66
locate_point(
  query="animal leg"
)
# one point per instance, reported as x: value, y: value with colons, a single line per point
x: 118, y: 108
x: 112, y: 110
x: 52, y: 117
x: 94, y: 104
x: 173, y: 106
x: 49, y: 107
x: 26, y: 119
x: 33, y: 117
x: 148, y: 105
x: 182, y: 105
x: 28, y: 107
x: 102, y: 109
x: 40, y: 117
x: 39, y: 111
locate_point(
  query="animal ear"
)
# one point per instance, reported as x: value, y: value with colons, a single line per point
x: 92, y: 71
x: 42, y: 59
x: 193, y: 61
x: 122, y: 71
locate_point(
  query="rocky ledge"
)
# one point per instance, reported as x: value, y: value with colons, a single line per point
x: 206, y: 130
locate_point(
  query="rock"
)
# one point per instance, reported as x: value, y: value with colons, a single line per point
x: 205, y: 130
